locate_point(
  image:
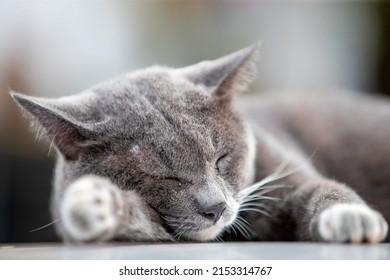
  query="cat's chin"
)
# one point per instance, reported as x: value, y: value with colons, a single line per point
x: 207, y: 234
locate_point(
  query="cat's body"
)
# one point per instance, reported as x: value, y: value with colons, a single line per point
x: 161, y: 154
x: 340, y: 136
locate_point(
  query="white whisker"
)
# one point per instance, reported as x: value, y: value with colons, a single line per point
x: 246, y: 232
x: 255, y: 204
x: 267, y: 189
x: 255, y: 210
x: 261, y: 197
x: 218, y: 238
x: 231, y: 227
x: 257, y: 186
x: 45, y: 226
x: 245, y: 221
x: 240, y: 230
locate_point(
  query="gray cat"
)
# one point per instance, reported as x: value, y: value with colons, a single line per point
x: 164, y: 154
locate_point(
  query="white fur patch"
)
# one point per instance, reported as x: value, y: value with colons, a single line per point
x: 208, y: 233
x: 351, y: 222
x: 135, y: 149
x: 90, y: 209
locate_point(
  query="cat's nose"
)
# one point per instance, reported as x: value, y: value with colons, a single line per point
x: 214, y: 212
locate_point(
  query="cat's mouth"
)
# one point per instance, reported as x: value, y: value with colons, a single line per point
x: 215, y: 230
x: 202, y: 231
x: 195, y: 227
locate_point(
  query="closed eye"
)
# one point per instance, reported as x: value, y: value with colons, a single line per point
x: 223, y: 163
x: 172, y: 181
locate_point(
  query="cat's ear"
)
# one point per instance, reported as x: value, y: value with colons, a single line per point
x: 227, y: 75
x: 58, y: 121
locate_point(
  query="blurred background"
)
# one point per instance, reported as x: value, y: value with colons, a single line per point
x: 55, y: 48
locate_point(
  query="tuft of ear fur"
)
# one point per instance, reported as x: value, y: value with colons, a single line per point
x: 228, y: 75
x: 54, y: 118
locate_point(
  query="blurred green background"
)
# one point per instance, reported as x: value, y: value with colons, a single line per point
x: 55, y: 48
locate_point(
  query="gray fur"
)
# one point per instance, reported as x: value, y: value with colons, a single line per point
x: 174, y: 144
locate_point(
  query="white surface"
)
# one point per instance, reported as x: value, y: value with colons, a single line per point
x: 244, y: 250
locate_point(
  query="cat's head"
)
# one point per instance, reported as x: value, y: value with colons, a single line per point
x: 170, y: 134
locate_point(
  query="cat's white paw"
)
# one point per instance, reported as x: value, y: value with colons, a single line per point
x: 351, y: 223
x: 91, y: 208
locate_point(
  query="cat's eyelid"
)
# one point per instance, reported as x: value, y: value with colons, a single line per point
x: 173, y: 179
x: 224, y: 156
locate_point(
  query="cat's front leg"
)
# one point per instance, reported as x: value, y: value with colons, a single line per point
x: 94, y: 209
x: 335, y: 213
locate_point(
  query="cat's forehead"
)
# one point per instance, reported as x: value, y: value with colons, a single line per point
x: 156, y: 97
x: 158, y: 87
x: 159, y: 109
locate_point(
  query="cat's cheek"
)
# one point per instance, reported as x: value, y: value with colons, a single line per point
x: 91, y: 209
